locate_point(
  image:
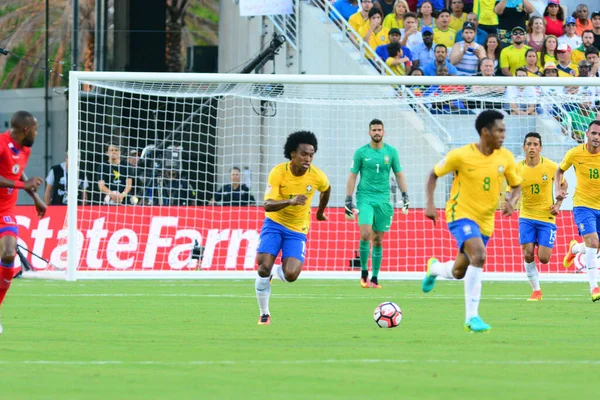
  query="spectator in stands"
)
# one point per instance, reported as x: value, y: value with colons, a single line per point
x: 551, y: 108
x: 57, y: 182
x: 386, y: 6
x: 531, y: 64
x: 492, y: 51
x: 511, y: 13
x: 565, y: 66
x: 486, y: 70
x: 467, y: 6
x: 570, y: 37
x: 555, y: 18
x: 466, y: 54
x: 346, y: 8
x: 234, y: 193
x: 512, y: 56
x: 426, y: 15
x: 171, y: 189
x: 480, y: 35
x: 393, y: 37
x: 424, y: 53
x: 548, y: 52
x: 446, y: 106
x: 587, y: 41
x: 583, y: 22
x: 411, y: 35
x: 458, y: 17
x: 596, y: 28
x: 441, y: 54
x: 443, y: 34
x: 521, y: 99
x: 398, y: 62
x: 416, y: 72
x: 374, y: 34
x: 361, y: 17
x: 396, y: 18
x: 536, y: 33
x: 438, y: 5
x: 581, y: 113
x: 114, y: 177
x: 592, y: 56
x: 585, y: 69
x: 488, y: 19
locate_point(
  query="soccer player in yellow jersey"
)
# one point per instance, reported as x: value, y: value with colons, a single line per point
x: 585, y: 159
x: 288, y: 196
x: 479, y: 171
x: 537, y: 216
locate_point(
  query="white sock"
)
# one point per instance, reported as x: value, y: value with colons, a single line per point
x: 532, y: 275
x: 473, y: 279
x: 442, y: 269
x: 278, y: 272
x: 590, y: 263
x: 263, y: 293
x: 579, y: 248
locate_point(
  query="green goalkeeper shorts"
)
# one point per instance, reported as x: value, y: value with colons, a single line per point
x: 378, y: 215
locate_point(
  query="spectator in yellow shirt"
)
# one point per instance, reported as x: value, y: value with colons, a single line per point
x: 458, y: 17
x: 587, y: 39
x: 513, y: 56
x: 375, y: 34
x: 443, y: 34
x: 361, y: 17
x: 397, y: 61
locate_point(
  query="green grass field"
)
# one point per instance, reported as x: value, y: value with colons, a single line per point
x: 199, y: 339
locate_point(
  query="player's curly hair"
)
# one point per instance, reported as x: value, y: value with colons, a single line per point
x: 487, y: 119
x: 294, y: 140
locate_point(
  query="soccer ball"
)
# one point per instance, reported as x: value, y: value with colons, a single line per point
x: 387, y: 315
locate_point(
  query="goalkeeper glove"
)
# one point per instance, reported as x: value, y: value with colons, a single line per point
x: 349, y: 209
x: 405, y: 202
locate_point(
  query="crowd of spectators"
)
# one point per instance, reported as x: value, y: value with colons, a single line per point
x: 485, y: 38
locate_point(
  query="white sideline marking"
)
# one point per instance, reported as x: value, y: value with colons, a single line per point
x: 302, y: 362
x: 301, y: 296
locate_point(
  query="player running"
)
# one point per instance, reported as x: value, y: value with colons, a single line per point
x: 585, y: 159
x: 479, y: 170
x: 15, y: 148
x: 288, y: 196
x: 375, y: 212
x: 537, y: 216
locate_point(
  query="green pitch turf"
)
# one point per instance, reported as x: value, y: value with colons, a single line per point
x: 200, y: 339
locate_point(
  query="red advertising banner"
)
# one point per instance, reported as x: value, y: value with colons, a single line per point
x: 160, y: 238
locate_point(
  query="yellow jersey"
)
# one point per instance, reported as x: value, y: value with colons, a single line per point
x: 390, y: 22
x: 537, y: 190
x: 587, y: 171
x: 396, y: 69
x: 457, y: 23
x: 477, y: 183
x: 512, y: 58
x: 447, y: 37
x: 485, y: 12
x: 376, y: 39
x: 357, y: 21
x: 285, y: 185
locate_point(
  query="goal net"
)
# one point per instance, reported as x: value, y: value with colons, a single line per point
x: 178, y: 165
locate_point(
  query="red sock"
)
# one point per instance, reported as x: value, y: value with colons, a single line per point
x: 6, y: 275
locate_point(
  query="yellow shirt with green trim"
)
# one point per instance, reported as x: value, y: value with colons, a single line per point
x: 357, y: 21
x: 537, y: 190
x: 284, y: 185
x: 587, y: 171
x: 512, y: 58
x: 446, y: 37
x: 485, y: 12
x: 457, y: 23
x: 390, y: 22
x: 477, y: 183
x: 376, y: 39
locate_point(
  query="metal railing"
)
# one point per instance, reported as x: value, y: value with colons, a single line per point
x: 288, y: 25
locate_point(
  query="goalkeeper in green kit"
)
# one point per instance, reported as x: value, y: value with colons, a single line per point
x: 375, y: 212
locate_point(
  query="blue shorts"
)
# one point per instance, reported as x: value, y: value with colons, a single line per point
x: 587, y: 220
x: 465, y: 229
x: 533, y: 231
x: 275, y: 237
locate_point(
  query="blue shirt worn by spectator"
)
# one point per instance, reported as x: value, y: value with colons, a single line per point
x: 230, y: 196
x: 382, y: 52
x: 429, y: 69
x: 423, y: 54
x: 345, y: 8
x: 480, y: 36
x: 438, y: 5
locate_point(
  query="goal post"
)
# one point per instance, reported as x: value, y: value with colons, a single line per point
x: 191, y: 130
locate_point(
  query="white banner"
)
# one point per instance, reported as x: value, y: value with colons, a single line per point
x: 249, y: 8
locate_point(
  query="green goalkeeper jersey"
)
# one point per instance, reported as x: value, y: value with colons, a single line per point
x: 374, y: 167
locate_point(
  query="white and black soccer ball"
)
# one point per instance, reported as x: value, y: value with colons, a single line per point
x: 387, y: 315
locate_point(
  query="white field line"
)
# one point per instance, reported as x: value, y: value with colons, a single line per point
x: 298, y: 362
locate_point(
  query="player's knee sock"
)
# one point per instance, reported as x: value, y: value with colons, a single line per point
x: 578, y: 248
x: 473, y: 279
x: 278, y: 272
x: 442, y: 269
x: 365, y: 252
x: 590, y: 262
x: 532, y: 275
x: 376, y: 260
x: 263, y: 293
x: 6, y: 276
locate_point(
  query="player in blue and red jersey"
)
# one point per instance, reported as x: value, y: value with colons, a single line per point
x: 15, y: 148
